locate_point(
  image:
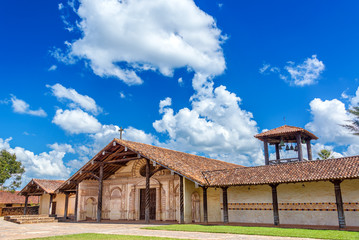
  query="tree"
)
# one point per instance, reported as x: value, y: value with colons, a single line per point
x: 354, y: 124
x: 11, y: 170
x: 325, y: 154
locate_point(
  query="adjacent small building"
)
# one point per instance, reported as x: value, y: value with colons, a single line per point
x: 12, y: 202
x: 134, y: 181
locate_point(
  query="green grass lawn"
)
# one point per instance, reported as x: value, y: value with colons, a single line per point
x: 97, y: 236
x: 264, y: 231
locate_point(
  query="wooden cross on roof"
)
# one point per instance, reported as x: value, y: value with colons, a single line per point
x: 121, y: 130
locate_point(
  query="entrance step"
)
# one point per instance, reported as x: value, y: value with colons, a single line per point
x: 26, y: 219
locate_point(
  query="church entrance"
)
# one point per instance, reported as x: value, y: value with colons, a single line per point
x: 152, y: 203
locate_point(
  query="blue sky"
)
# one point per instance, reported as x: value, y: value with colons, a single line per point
x: 201, y: 77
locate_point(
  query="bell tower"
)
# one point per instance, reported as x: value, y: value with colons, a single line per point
x: 291, y: 139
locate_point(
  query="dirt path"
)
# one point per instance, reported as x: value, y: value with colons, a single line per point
x: 9, y: 231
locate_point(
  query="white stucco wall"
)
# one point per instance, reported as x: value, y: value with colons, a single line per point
x: 250, y: 194
x: 309, y: 195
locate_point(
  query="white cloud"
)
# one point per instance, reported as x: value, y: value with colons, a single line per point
x: 216, y: 126
x: 165, y: 103
x: 306, y: 73
x: 301, y: 75
x: 64, y: 147
x: 122, y: 95
x: 20, y: 106
x: 43, y: 165
x: 354, y: 101
x: 52, y: 68
x: 328, y: 118
x: 76, y: 121
x: 146, y: 35
x: 60, y: 6
x: 180, y: 81
x: 77, y: 100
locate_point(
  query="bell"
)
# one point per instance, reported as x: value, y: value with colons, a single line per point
x: 303, y: 141
x: 287, y: 148
x: 281, y: 143
x: 291, y: 147
x: 296, y: 148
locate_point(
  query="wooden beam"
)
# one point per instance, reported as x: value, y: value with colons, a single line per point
x: 156, y: 170
x: 99, y: 199
x: 122, y: 160
x: 147, y: 207
x: 25, y: 207
x: 225, y: 204
x: 275, y: 204
x: 76, y: 201
x: 50, y: 204
x: 66, y: 204
x: 339, y: 203
x: 309, y: 150
x: 205, y: 210
x: 299, y: 144
x: 266, y: 153
x: 181, y: 200
x: 277, y: 153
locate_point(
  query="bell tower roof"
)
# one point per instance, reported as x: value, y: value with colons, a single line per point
x: 286, y: 133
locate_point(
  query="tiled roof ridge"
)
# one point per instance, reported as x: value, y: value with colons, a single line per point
x: 178, y: 151
x: 298, y: 163
x: 38, y: 181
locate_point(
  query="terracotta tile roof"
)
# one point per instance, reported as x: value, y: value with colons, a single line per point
x: 188, y: 165
x: 7, y: 197
x: 49, y: 186
x: 38, y: 186
x: 285, y: 130
x: 339, y: 168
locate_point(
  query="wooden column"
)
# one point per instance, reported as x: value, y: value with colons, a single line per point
x: 147, y: 207
x: 309, y: 150
x: 225, y: 204
x: 25, y: 206
x: 205, y: 210
x: 275, y: 203
x: 66, y: 204
x: 76, y: 201
x: 50, y: 204
x: 299, y: 144
x: 266, y: 153
x: 181, y: 201
x: 99, y: 198
x: 277, y: 153
x: 339, y: 203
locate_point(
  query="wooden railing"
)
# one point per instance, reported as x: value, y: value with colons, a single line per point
x: 285, y: 160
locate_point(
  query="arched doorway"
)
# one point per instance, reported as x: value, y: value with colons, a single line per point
x: 90, y: 207
x: 196, y: 215
x: 115, y: 204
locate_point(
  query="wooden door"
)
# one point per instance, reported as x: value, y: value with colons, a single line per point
x: 53, y: 209
x: 152, y: 203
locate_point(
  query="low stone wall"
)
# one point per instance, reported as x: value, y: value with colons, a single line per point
x: 9, y: 211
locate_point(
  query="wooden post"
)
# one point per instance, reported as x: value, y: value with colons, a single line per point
x: 181, y: 201
x: 147, y: 207
x: 277, y: 153
x: 339, y: 203
x: 25, y: 207
x: 299, y: 144
x: 50, y: 204
x: 275, y: 204
x: 76, y: 201
x: 309, y: 150
x: 225, y: 204
x: 205, y: 210
x: 66, y: 204
x: 266, y: 153
x: 99, y: 198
